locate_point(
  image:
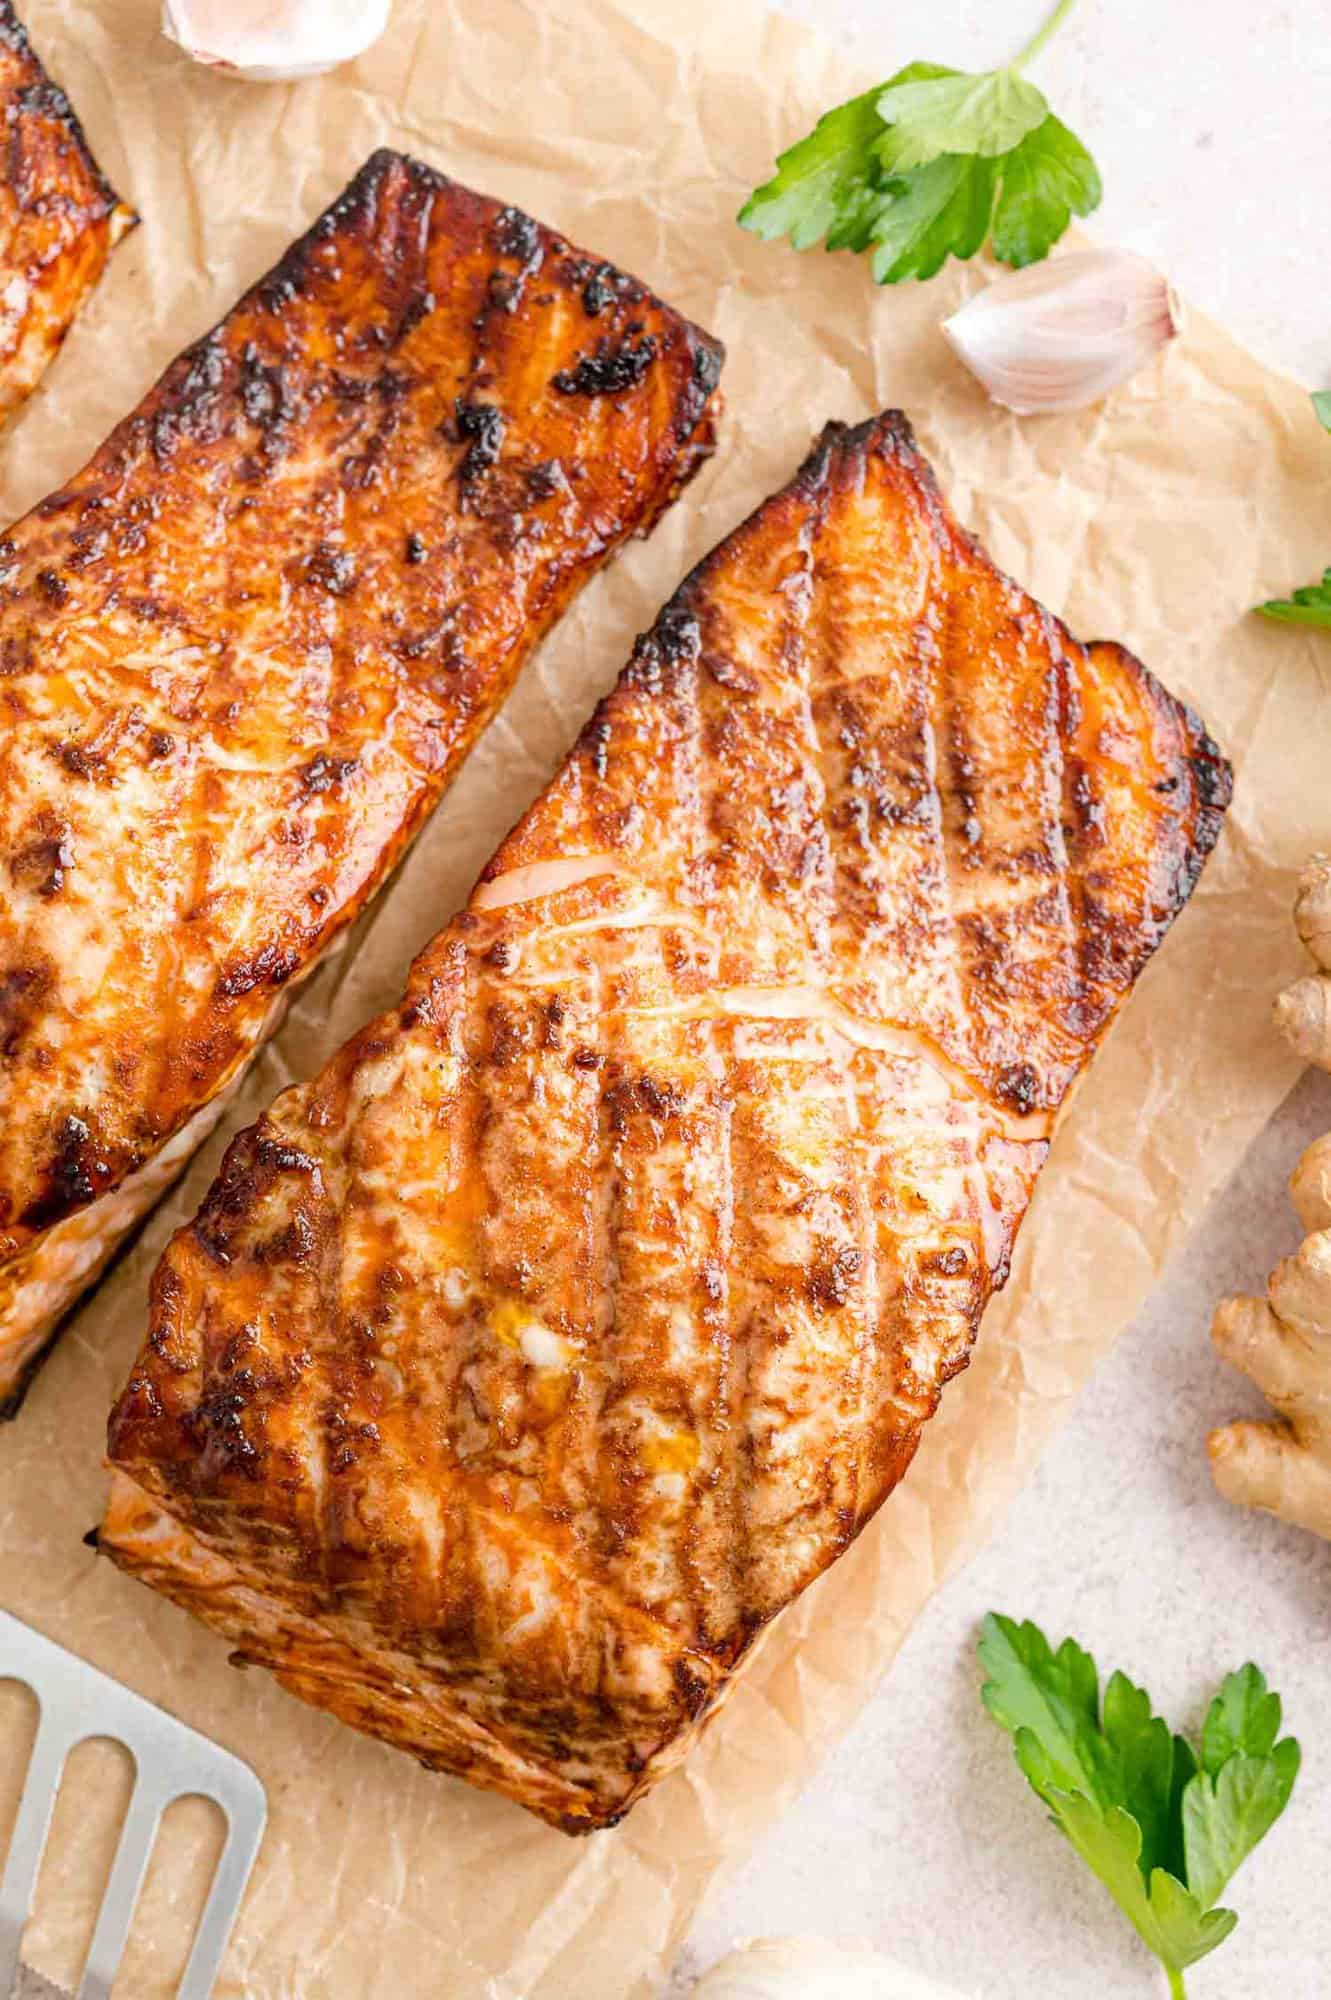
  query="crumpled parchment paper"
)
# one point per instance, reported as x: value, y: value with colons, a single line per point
x: 1156, y: 519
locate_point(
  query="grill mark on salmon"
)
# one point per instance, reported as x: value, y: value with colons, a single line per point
x: 291, y: 593
x: 686, y: 1167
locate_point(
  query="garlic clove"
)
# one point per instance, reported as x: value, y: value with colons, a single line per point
x: 1061, y: 334
x: 274, y: 41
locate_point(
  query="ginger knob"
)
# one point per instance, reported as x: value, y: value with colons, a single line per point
x: 1283, y: 1342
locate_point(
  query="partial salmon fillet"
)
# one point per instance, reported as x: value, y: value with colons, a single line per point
x: 60, y: 218
x: 524, y: 1364
x: 246, y: 648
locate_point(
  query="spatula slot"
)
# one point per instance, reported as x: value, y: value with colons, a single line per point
x: 169, y: 1909
x: 95, y: 1790
x: 18, y: 1732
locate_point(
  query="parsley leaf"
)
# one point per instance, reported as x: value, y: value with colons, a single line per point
x: 1168, y: 1918
x: 832, y: 184
x: 1244, y: 1783
x: 1051, y: 1704
x: 986, y: 114
x: 1225, y: 1817
x: 827, y: 185
x: 942, y: 211
x: 1242, y: 1721
x: 1163, y: 1832
x: 1310, y: 605
x: 1321, y: 401
x: 931, y: 165
x: 1046, y: 180
x: 1155, y: 1766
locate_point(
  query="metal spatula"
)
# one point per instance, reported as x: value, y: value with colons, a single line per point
x: 170, y: 1762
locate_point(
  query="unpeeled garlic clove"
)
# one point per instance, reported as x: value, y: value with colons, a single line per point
x: 1063, y: 333
x: 274, y: 41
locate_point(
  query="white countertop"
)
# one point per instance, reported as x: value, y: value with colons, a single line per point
x: 1211, y: 122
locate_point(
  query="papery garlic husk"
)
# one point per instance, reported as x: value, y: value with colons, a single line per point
x: 807, y: 1969
x: 1063, y: 333
x: 274, y: 41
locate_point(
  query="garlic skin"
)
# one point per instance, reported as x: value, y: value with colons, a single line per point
x: 807, y: 1969
x: 274, y: 41
x: 1062, y: 334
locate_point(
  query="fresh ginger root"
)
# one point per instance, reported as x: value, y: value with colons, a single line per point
x: 1283, y: 1342
x: 1303, y: 1010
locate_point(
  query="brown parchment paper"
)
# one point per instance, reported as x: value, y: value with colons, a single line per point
x: 1155, y: 519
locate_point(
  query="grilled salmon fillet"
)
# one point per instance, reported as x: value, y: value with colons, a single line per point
x: 522, y: 1366
x: 59, y: 216
x: 244, y: 650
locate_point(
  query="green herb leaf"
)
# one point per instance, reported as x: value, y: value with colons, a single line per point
x: 939, y: 211
x: 1046, y: 180
x: 1185, y: 1765
x: 1161, y: 1832
x: 1243, y: 1785
x: 828, y: 185
x: 1168, y: 1918
x: 931, y: 165
x: 1185, y: 1930
x: 1054, y: 1698
x: 1322, y: 404
x: 1309, y: 606
x: 987, y: 114
x: 1225, y: 1816
x: 1242, y: 1721
x: 1147, y: 1757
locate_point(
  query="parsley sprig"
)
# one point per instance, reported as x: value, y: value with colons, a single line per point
x: 1310, y: 605
x: 931, y: 165
x: 1164, y: 1826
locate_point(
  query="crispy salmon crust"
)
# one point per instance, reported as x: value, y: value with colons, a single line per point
x: 524, y: 1364
x: 245, y: 649
x: 60, y: 218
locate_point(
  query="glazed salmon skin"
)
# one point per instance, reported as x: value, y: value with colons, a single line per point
x: 60, y: 218
x: 522, y: 1366
x: 245, y: 649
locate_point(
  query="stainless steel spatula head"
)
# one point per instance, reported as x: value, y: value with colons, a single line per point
x: 170, y: 1762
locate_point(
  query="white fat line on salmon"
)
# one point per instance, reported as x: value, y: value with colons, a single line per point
x: 811, y: 1003
x: 538, y: 879
x: 647, y: 909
